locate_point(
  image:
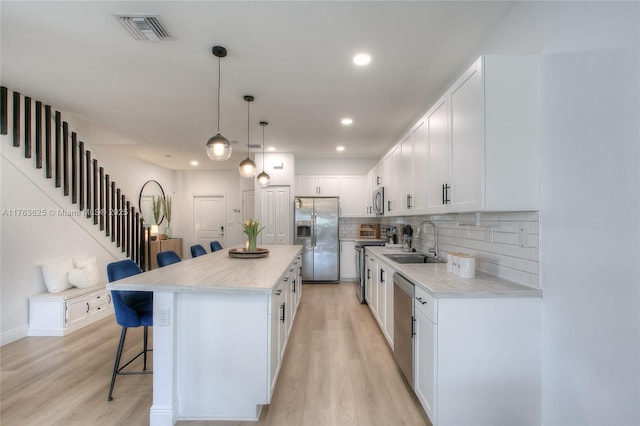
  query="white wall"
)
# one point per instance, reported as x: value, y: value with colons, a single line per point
x: 334, y: 166
x: 589, y: 217
x: 27, y: 242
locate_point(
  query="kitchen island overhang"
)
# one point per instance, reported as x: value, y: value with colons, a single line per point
x: 220, y: 330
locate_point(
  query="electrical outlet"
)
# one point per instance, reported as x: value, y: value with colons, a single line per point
x: 164, y: 317
x: 522, y: 237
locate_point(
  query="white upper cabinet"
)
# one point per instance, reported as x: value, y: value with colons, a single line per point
x: 437, y: 130
x: 350, y: 189
x: 412, y: 174
x: 352, y: 197
x: 482, y: 139
x: 317, y: 186
x: 369, y: 185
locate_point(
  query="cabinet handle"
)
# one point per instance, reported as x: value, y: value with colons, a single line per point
x: 278, y: 292
x: 382, y: 276
x: 409, y: 201
x: 413, y: 326
x: 422, y: 302
x: 109, y: 296
x: 282, y: 312
x: 389, y: 205
x: 368, y: 273
x: 87, y: 311
x: 445, y: 193
x: 377, y: 180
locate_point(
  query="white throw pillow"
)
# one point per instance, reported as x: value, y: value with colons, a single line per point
x: 85, y: 273
x: 56, y: 275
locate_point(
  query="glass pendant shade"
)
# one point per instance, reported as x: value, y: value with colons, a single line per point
x: 247, y: 168
x: 218, y: 148
x: 264, y: 179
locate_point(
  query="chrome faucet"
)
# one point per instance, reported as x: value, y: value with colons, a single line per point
x: 433, y: 250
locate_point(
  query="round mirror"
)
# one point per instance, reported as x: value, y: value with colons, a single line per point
x: 150, y: 193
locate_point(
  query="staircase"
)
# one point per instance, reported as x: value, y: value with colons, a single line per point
x: 43, y: 135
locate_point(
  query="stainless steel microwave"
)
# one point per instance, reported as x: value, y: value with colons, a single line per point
x: 378, y: 200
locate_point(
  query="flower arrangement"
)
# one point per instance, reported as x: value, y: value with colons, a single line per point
x: 252, y: 229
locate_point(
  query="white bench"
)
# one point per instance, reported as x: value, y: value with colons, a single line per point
x: 58, y: 314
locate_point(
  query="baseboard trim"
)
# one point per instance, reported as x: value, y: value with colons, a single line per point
x: 13, y: 335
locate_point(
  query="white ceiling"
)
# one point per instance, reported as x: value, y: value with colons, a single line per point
x: 294, y: 57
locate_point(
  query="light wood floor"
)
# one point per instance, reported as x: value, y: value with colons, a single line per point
x: 338, y: 370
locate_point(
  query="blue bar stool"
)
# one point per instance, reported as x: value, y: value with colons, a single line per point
x: 167, y: 258
x: 215, y: 246
x: 132, y: 309
x: 197, y: 250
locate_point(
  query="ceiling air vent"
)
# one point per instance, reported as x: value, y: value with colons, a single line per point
x: 144, y: 27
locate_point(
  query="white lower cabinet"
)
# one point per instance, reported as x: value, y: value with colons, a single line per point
x: 424, y: 381
x: 283, y: 305
x: 379, y: 293
x: 58, y: 314
x: 347, y: 260
x: 477, y: 360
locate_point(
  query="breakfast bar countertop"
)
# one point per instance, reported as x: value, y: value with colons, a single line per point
x: 435, y: 279
x: 216, y: 272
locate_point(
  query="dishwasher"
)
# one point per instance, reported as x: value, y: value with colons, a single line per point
x: 403, y: 320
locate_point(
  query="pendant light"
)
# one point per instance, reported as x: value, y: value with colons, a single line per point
x: 247, y: 166
x: 218, y: 147
x: 263, y: 178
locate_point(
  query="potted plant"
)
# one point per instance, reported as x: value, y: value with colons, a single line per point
x: 252, y: 229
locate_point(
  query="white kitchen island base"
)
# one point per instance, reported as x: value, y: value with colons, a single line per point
x: 218, y: 345
x: 219, y: 368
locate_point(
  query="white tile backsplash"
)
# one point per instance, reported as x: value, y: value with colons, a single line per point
x: 493, y: 238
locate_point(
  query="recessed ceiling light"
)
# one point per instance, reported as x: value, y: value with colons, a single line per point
x: 362, y: 59
x: 194, y: 163
x: 346, y: 121
x: 271, y: 148
x: 340, y: 148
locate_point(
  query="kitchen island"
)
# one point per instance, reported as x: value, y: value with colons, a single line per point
x: 220, y: 330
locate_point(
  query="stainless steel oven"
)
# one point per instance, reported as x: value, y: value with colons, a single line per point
x: 361, y: 277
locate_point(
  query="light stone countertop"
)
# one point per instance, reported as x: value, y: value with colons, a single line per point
x: 435, y: 279
x: 216, y: 272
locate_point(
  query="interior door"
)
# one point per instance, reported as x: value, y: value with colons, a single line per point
x: 276, y: 215
x: 208, y: 219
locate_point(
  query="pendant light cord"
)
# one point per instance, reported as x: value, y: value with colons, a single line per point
x: 262, y: 148
x: 248, y: 118
x: 218, y: 94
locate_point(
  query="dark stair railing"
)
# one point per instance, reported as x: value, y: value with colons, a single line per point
x: 71, y: 166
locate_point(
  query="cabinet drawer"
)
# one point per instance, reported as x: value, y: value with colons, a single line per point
x: 426, y: 304
x: 99, y: 300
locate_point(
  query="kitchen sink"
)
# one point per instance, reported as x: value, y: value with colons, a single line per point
x: 411, y: 258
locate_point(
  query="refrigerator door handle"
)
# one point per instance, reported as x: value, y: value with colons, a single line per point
x: 313, y: 229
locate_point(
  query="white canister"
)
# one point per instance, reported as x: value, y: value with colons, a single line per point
x: 466, y: 266
x: 450, y: 261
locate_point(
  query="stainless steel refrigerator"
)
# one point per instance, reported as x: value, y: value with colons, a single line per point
x: 316, y: 228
